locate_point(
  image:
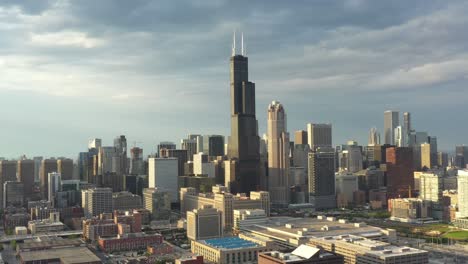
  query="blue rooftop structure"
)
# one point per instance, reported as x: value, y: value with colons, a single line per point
x: 230, y: 243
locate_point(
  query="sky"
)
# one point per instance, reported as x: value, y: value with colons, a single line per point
x: 159, y: 70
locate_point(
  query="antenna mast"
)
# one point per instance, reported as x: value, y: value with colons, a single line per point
x: 234, y: 44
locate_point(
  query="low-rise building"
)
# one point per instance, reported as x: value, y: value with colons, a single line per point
x: 304, y: 254
x: 21, y: 231
x: 357, y: 249
x: 204, y: 223
x: 198, y: 259
x: 97, y: 227
x: 52, y: 224
x: 160, y: 249
x: 411, y: 210
x: 228, y: 250
x: 128, y: 242
x: 248, y: 218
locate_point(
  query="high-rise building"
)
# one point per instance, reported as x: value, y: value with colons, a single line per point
x: 65, y: 168
x: 400, y: 172
x: 426, y: 160
x: 54, y: 181
x: 96, y: 201
x: 399, y: 137
x: 300, y: 137
x: 158, y: 202
x: 431, y: 186
x: 442, y: 159
x: 244, y: 142
x: 137, y: 165
x: 95, y: 143
x: 120, y: 145
x: 407, y: 128
x: 278, y: 155
x: 26, y: 177
x: 182, y: 158
x: 322, y: 178
x: 190, y: 145
x: 213, y: 145
x: 202, y: 165
x: 204, y: 223
x: 37, y: 168
x: 164, y: 146
x: 391, y: 121
x: 163, y: 173
x: 13, y: 194
x: 462, y: 193
x: 461, y: 154
x: 126, y: 201
x: 319, y: 136
x: 47, y: 166
x: 83, y: 164
x: 374, y: 137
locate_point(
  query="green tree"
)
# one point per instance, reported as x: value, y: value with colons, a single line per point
x: 13, y: 244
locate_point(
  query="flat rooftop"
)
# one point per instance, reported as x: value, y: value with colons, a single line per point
x: 70, y: 255
x: 230, y: 243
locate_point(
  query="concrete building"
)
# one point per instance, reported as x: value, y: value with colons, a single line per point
x: 54, y: 182
x: 96, y: 201
x: 37, y: 168
x: 345, y: 186
x: 26, y: 177
x: 300, y: 137
x: 391, y: 121
x: 203, y: 166
x: 65, y: 168
x: 137, y: 165
x: 374, y: 137
x: 442, y: 159
x: 69, y: 254
x: 228, y: 250
x: 322, y: 178
x: 213, y: 145
x: 190, y: 145
x: 163, y: 147
x: 197, y: 259
x: 182, y: 158
x: 247, y: 217
x: 50, y: 225
x: 426, y: 155
x: 223, y: 201
x: 400, y: 137
x: 47, y: 166
x: 129, y: 242
x: 357, y: 249
x: 400, y: 178
x: 98, y: 227
x: 278, y: 155
x: 319, y: 136
x: 13, y: 194
x: 124, y: 201
x: 462, y: 193
x: 204, y: 223
x: 243, y: 142
x: 158, y: 202
x: 162, y: 173
x: 7, y: 173
x: 431, y: 186
x: 461, y: 156
x: 304, y: 254
x: 411, y: 210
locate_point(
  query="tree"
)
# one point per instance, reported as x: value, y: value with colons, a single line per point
x: 13, y: 244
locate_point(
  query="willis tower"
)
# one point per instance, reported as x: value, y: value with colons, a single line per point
x: 244, y: 142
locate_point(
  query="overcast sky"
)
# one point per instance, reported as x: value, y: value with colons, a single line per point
x: 158, y: 70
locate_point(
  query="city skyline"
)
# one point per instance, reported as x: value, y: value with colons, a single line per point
x: 87, y: 81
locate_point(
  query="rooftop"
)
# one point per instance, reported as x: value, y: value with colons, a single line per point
x: 230, y: 243
x: 66, y: 255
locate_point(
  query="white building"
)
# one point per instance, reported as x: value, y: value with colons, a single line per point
x: 249, y: 217
x: 346, y: 184
x: 163, y: 173
x: 462, y: 194
x: 202, y: 165
x: 430, y: 186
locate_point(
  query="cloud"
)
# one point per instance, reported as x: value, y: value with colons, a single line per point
x: 66, y: 38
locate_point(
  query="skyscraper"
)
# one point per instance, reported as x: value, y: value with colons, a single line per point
x: 374, y: 137
x: 322, y: 178
x: 391, y: 121
x: 120, y: 144
x: 7, y: 173
x: 319, y: 136
x: 300, y: 137
x: 244, y: 142
x: 26, y: 176
x: 136, y: 161
x: 65, y: 168
x: 190, y: 145
x: 400, y: 178
x: 47, y: 166
x: 55, y: 185
x: 96, y: 201
x: 407, y: 126
x: 278, y: 155
x: 163, y: 173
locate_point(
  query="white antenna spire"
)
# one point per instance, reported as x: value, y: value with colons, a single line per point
x: 242, y: 43
x: 234, y: 44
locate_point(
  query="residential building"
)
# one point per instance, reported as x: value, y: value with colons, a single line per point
x: 96, y: 201
x: 462, y: 193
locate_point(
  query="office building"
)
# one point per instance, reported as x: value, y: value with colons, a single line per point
x: 322, y: 178
x: 137, y: 165
x: 461, y: 156
x: 442, y: 159
x: 300, y: 137
x: 83, y: 165
x: 54, y: 182
x: 228, y: 250
x: 37, y: 168
x: 95, y: 143
x: 163, y: 147
x: 374, y: 137
x: 223, y: 201
x: 125, y: 201
x: 346, y: 184
x: 204, y: 223
x: 356, y: 249
x: 158, y: 202
x: 96, y: 201
x: 410, y: 210
x: 120, y: 145
x: 213, y: 145
x: 26, y: 177
x: 13, y: 194
x: 462, y: 193
x: 278, y: 155
x: 190, y: 145
x: 319, y: 136
x: 426, y: 156
x: 246, y: 217
x: 182, y: 158
x: 399, y: 137
x: 244, y: 142
x: 391, y: 121
x: 162, y: 173
x: 7, y: 173
x: 304, y: 254
x: 203, y: 166
x: 351, y: 158
x: 47, y: 166
x: 431, y: 186
x: 65, y: 168
x: 400, y: 178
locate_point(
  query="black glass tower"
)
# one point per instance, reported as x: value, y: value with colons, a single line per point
x: 244, y: 142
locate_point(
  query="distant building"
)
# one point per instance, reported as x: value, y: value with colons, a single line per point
x: 248, y: 217
x: 322, y: 178
x: 26, y: 177
x: 65, y: 168
x: 202, y: 165
x: 158, y: 202
x: 204, y: 223
x: 426, y: 155
x: 137, y: 165
x: 213, y: 145
x: 164, y: 146
x: 7, y: 173
x: 96, y: 201
x: 400, y: 178
x: 411, y: 210
x: 13, y: 194
x: 391, y: 121
x: 319, y: 135
x: 162, y: 173
x: 304, y: 254
x: 431, y: 186
x: 126, y: 201
x: 52, y: 224
x: 300, y: 137
x: 54, y: 182
x: 47, y: 166
x: 462, y: 194
x: 182, y: 158
x: 345, y: 185
x: 129, y: 242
